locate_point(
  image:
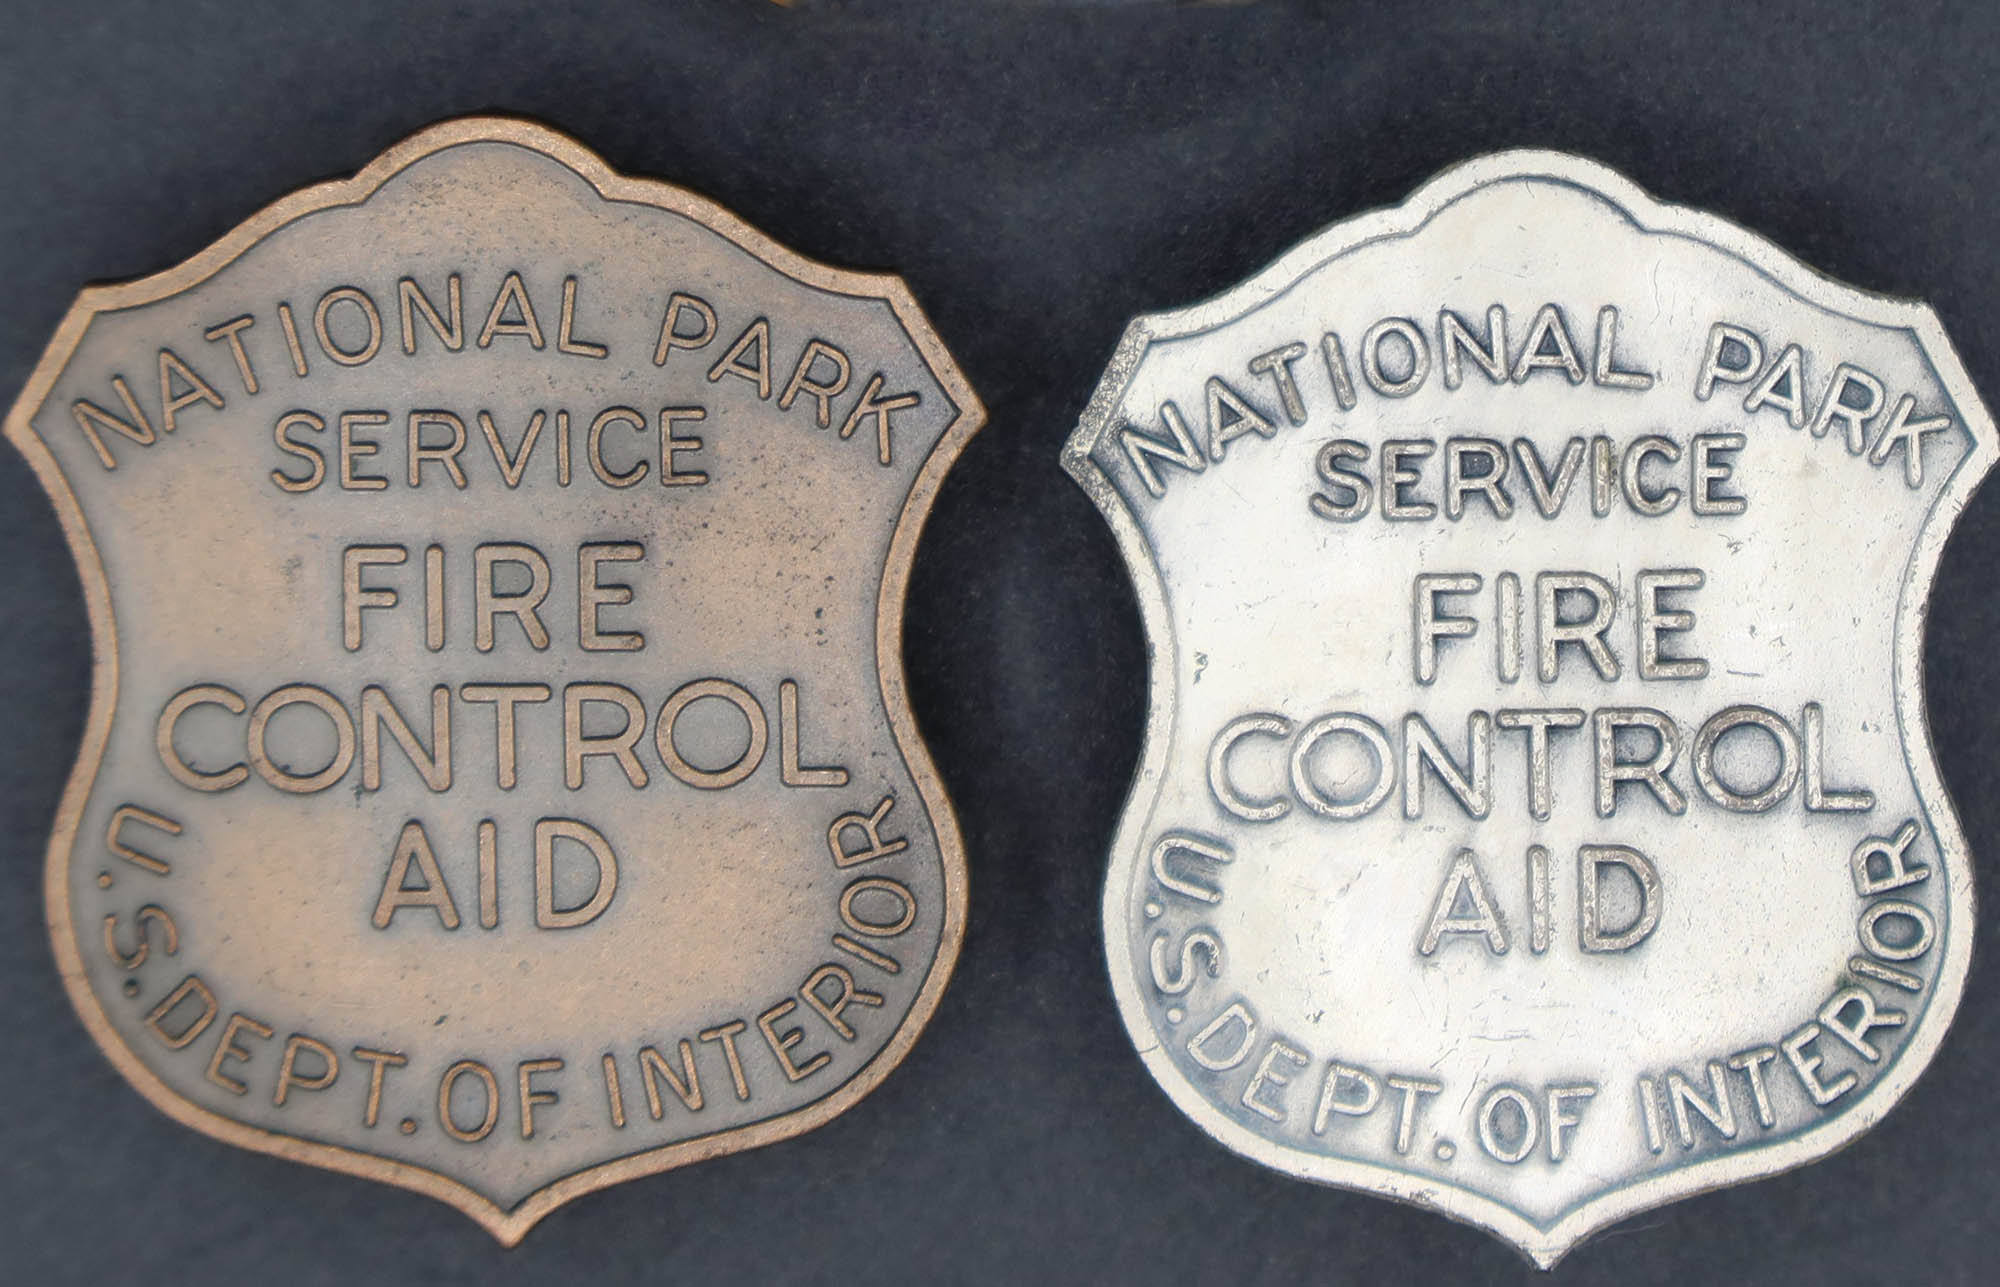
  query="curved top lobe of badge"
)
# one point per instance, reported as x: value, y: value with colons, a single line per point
x: 499, y: 779
x: 1537, y: 819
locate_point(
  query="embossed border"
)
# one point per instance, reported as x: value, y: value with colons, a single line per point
x: 508, y: 1225
x: 1545, y: 1245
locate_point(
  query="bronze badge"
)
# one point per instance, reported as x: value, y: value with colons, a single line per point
x: 498, y: 779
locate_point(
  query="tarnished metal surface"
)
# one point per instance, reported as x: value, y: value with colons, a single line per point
x: 1537, y: 819
x: 499, y: 780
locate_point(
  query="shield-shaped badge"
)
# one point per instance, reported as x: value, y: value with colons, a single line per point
x: 1537, y: 819
x: 499, y: 779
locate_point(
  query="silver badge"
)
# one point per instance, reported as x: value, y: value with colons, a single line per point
x: 1538, y: 819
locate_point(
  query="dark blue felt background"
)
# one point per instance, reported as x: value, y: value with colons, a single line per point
x: 1038, y: 174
